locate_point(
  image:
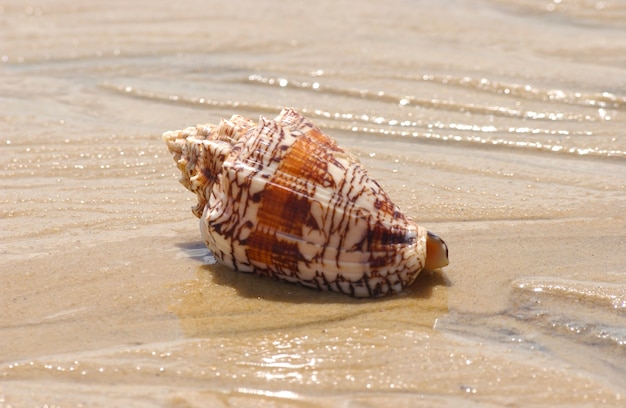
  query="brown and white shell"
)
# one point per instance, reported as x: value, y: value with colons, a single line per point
x: 280, y: 198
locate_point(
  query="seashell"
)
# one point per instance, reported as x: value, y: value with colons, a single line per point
x: 282, y: 199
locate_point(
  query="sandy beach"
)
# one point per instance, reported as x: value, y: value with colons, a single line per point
x: 503, y: 132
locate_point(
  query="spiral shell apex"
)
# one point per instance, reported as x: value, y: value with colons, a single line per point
x: 281, y: 199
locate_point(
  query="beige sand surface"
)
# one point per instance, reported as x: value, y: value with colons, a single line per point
x: 108, y: 297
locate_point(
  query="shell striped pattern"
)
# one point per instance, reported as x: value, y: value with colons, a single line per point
x: 281, y: 199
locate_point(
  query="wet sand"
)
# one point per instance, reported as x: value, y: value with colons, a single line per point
x: 511, y: 150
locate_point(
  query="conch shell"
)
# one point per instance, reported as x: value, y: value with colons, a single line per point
x: 281, y: 199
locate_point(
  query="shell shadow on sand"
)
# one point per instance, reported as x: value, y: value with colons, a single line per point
x: 249, y: 285
x: 253, y: 286
x: 221, y: 301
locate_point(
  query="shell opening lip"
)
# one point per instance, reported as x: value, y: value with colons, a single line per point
x: 436, y: 252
